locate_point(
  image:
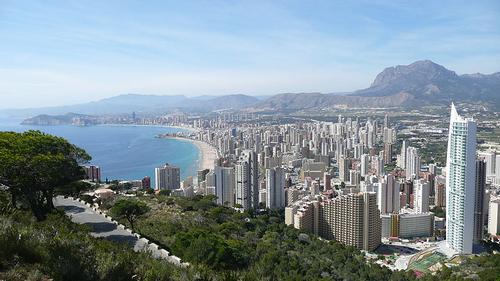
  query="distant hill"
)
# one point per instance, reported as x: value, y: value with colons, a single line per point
x: 420, y: 83
x: 299, y: 101
x: 141, y: 104
x: 66, y: 119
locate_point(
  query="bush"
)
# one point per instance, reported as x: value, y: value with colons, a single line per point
x: 61, y: 250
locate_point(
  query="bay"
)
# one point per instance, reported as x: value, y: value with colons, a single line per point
x: 123, y: 152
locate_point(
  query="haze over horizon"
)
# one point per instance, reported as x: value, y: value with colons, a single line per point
x: 65, y: 53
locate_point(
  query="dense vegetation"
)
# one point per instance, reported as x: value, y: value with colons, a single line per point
x: 250, y: 246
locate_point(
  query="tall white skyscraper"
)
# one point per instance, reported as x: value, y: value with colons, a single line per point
x: 402, y: 157
x: 412, y: 163
x: 167, y: 177
x: 275, y: 188
x: 421, y: 196
x: 460, y: 182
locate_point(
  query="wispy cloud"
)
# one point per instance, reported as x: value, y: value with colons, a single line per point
x: 55, y: 52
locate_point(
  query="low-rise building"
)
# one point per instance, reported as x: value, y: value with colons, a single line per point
x: 408, y: 225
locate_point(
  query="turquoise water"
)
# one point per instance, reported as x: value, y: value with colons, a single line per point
x: 123, y: 152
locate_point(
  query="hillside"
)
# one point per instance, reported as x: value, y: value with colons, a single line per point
x: 154, y: 104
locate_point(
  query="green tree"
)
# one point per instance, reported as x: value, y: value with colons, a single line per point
x: 74, y: 189
x: 33, y: 164
x: 129, y: 209
x: 164, y: 192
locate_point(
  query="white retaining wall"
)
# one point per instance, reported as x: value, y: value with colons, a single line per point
x: 161, y: 253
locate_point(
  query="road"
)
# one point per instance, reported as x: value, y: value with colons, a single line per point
x: 103, y: 227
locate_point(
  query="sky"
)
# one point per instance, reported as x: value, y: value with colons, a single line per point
x: 67, y: 52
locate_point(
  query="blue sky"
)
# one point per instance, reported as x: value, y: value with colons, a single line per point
x: 64, y: 52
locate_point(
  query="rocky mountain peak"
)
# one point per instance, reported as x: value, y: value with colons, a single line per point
x: 423, y: 70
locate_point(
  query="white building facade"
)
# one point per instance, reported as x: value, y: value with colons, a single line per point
x: 460, y: 182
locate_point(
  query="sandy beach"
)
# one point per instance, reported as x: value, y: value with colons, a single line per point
x: 207, y: 153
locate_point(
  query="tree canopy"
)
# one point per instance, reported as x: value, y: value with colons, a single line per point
x: 33, y: 164
x: 129, y: 209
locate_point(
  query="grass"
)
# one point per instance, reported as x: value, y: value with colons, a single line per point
x: 428, y: 260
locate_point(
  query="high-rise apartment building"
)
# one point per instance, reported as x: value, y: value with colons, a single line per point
x: 421, y: 191
x: 402, y: 156
x: 388, y: 195
x: 224, y: 185
x: 351, y: 219
x: 167, y: 177
x: 275, y: 188
x: 412, y: 163
x: 494, y: 217
x: 440, y: 191
x: 460, y: 182
x: 327, y: 181
x: 479, y: 200
x: 364, y: 165
x: 389, y: 135
x: 247, y: 180
x: 387, y: 153
x: 92, y: 173
x: 344, y: 167
x: 490, y: 159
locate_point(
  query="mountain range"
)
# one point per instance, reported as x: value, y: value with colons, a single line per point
x: 420, y: 83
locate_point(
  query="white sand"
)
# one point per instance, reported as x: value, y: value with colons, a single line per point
x: 207, y: 153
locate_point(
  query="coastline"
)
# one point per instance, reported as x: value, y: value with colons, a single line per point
x: 191, y: 129
x: 207, y: 153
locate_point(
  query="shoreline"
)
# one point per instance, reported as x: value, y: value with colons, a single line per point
x: 191, y: 129
x: 207, y: 153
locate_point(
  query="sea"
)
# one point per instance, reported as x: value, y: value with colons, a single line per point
x: 124, y: 152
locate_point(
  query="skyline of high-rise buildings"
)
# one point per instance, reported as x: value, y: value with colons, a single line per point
x: 304, y: 167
